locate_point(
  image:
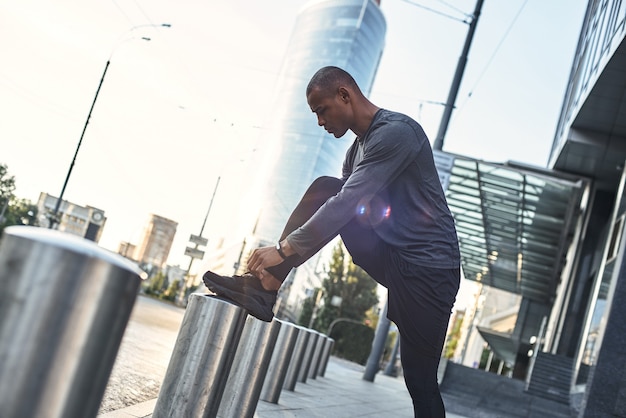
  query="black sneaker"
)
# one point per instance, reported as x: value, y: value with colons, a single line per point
x: 246, y: 291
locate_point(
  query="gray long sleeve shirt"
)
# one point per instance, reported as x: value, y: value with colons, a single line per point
x: 390, y: 181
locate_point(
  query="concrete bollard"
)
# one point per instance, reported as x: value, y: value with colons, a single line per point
x: 317, y: 355
x: 297, y: 359
x: 328, y: 349
x: 279, y: 364
x: 247, y: 375
x: 202, y: 358
x: 64, y: 305
x: 308, y: 356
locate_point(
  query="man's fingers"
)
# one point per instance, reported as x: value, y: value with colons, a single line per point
x: 252, y: 258
x: 254, y: 261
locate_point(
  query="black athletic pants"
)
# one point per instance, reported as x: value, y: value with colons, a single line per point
x: 420, y: 299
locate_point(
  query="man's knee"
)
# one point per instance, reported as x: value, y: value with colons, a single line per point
x: 326, y: 183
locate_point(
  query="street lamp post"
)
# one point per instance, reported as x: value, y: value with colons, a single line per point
x: 54, y: 220
x: 54, y: 216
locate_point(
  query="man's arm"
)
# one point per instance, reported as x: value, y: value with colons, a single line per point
x: 387, y: 153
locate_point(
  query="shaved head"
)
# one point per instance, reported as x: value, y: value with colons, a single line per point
x: 329, y: 79
x: 337, y: 101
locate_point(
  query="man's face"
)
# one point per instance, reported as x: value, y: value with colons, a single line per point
x: 332, y: 109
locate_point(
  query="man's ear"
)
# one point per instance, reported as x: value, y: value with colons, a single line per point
x: 344, y: 94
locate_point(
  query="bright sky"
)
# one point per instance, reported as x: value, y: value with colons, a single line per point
x: 192, y: 104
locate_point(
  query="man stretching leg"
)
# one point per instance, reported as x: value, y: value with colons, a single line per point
x: 391, y: 212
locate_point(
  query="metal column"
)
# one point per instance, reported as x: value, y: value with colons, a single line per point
x: 279, y: 364
x: 250, y: 365
x: 64, y: 306
x: 202, y: 358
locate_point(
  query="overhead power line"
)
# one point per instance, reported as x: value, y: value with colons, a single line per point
x: 430, y: 9
x: 491, y: 58
x: 495, y: 52
x: 456, y: 9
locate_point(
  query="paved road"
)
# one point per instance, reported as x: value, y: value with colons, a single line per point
x: 144, y: 354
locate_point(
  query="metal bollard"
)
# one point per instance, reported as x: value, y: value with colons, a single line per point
x: 250, y: 365
x: 279, y: 364
x: 64, y: 305
x: 202, y: 358
x: 328, y: 349
x: 317, y: 355
x: 297, y: 359
x: 308, y: 356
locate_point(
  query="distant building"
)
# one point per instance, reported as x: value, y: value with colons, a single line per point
x: 174, y: 273
x: 158, y: 236
x: 127, y: 250
x: 83, y: 221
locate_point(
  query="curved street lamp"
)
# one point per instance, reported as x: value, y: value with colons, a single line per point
x: 54, y: 216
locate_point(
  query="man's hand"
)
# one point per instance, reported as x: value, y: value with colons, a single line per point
x: 262, y: 258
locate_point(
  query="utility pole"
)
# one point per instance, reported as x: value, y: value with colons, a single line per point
x: 195, y: 252
x: 456, y: 82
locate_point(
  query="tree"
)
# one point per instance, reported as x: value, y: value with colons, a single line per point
x: 156, y: 284
x: 7, y: 184
x: 13, y: 211
x: 307, y: 311
x: 348, y: 293
x: 453, y: 337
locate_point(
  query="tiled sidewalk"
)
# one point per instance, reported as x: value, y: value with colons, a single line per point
x: 341, y: 393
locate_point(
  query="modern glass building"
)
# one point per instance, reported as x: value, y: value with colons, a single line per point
x: 555, y: 236
x: 349, y: 34
x: 591, y: 141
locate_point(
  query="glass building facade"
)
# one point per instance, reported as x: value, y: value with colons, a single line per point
x: 591, y: 141
x: 345, y: 33
x: 556, y: 236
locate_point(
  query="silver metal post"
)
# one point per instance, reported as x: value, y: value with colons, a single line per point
x: 308, y: 356
x: 391, y: 369
x: 249, y: 369
x: 328, y: 349
x: 299, y: 352
x: 279, y: 364
x: 317, y: 355
x: 378, y: 346
x: 64, y: 306
x: 202, y: 358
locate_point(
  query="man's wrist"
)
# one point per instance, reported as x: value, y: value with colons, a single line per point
x: 286, y: 248
x: 279, y: 248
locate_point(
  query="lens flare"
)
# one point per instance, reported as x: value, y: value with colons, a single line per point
x: 372, y: 211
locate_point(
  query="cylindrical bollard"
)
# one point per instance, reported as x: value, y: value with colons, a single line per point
x: 317, y: 355
x: 297, y: 359
x: 391, y: 369
x: 328, y: 349
x: 247, y: 375
x: 64, y: 306
x: 308, y: 356
x: 202, y: 358
x: 279, y: 364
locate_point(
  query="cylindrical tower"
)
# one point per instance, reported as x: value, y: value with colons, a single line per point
x: 345, y: 33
